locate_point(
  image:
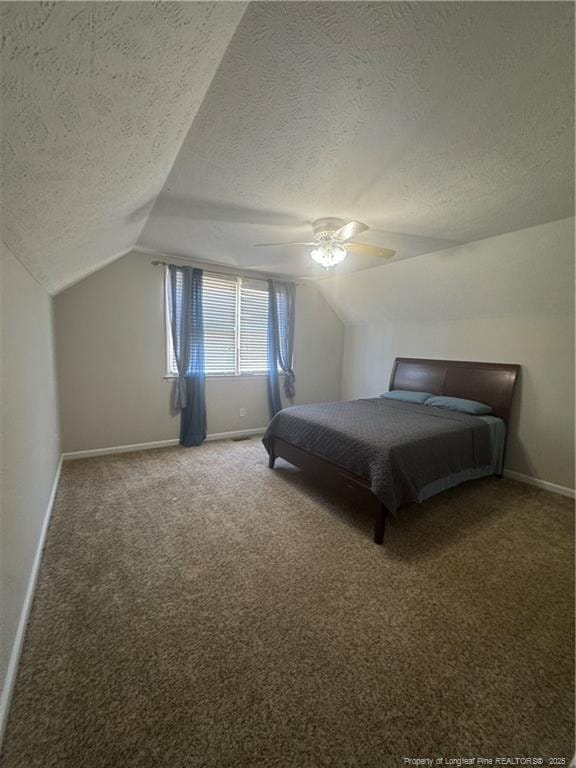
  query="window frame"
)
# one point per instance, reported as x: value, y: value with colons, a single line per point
x: 170, y: 373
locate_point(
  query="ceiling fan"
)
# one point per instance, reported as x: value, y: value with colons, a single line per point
x: 333, y: 240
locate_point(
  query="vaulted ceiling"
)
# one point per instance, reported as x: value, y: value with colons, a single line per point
x: 200, y: 129
x: 96, y: 101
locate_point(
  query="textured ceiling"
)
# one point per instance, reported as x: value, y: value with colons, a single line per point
x: 448, y: 121
x: 96, y: 101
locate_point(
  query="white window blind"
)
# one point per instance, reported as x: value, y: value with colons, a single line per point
x: 219, y: 302
x: 171, y: 367
x: 253, y: 332
x: 235, y: 326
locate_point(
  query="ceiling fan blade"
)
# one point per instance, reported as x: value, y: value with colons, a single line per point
x: 370, y: 250
x: 350, y: 230
x: 258, y: 245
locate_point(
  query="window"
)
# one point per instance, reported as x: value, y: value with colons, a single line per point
x: 235, y: 326
x: 219, y: 304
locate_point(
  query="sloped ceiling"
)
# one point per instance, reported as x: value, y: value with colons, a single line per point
x: 523, y: 273
x: 446, y: 121
x: 96, y: 101
x: 435, y: 123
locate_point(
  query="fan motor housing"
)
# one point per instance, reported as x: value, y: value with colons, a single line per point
x: 325, y: 228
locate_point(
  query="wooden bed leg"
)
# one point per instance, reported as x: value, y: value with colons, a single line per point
x: 271, y: 459
x: 379, y: 524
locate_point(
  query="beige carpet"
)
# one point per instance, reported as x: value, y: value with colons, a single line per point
x: 195, y: 608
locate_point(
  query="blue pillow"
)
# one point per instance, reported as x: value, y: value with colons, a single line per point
x: 407, y: 396
x: 459, y: 404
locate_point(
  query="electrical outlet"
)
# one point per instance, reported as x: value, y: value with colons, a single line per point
x: 242, y: 412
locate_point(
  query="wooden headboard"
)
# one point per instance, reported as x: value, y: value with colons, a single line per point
x: 489, y: 383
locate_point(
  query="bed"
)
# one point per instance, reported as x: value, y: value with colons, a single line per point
x: 383, y: 454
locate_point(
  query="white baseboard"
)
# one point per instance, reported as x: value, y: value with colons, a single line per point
x: 118, y: 449
x: 238, y: 433
x: 158, y: 444
x: 18, y: 643
x: 544, y: 484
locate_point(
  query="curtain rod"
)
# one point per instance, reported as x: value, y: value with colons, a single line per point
x: 239, y: 273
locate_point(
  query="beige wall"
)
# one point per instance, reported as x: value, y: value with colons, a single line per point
x: 111, y: 360
x: 505, y: 299
x: 29, y: 448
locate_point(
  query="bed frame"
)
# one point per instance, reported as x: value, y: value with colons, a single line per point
x: 489, y: 383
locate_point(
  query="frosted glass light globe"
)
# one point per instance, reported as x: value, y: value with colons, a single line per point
x: 329, y: 254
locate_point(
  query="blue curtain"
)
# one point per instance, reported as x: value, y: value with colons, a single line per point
x: 187, y: 324
x: 281, y: 309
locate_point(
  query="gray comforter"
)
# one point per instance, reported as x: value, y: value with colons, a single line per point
x: 399, y: 447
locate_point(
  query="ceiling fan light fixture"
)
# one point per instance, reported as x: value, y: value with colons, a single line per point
x: 329, y: 254
x: 333, y: 239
